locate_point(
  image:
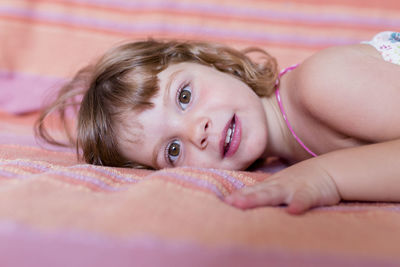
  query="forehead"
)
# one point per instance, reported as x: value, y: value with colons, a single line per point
x: 131, y: 127
x: 138, y: 133
x: 190, y: 67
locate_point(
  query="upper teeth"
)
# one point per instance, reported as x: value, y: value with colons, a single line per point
x: 229, y: 135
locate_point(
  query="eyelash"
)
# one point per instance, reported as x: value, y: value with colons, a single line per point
x: 167, y: 156
x: 179, y: 91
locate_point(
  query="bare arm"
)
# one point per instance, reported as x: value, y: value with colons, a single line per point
x: 366, y: 173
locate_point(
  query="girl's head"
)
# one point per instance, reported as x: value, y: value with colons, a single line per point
x: 159, y: 104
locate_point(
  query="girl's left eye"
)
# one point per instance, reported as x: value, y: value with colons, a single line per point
x: 172, y: 151
x: 184, y: 96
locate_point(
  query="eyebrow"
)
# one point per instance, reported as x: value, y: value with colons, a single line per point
x: 155, y: 154
x: 168, y: 85
x: 157, y: 147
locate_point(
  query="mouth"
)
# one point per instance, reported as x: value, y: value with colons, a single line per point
x: 231, y: 137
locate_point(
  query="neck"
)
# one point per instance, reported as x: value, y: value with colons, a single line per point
x: 280, y: 140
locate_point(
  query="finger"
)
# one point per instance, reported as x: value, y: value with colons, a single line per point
x: 246, y: 199
x: 257, y: 187
x: 300, y: 202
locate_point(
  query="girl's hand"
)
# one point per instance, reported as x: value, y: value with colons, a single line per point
x: 300, y: 186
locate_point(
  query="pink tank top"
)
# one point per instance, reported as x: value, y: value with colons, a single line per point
x: 278, y: 98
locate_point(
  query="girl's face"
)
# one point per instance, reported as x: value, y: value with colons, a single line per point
x: 201, y: 117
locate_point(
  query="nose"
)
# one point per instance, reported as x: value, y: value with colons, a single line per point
x: 198, y: 134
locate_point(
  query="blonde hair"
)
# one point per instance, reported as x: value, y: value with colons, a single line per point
x: 125, y: 78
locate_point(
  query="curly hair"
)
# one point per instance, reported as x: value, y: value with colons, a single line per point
x: 125, y: 78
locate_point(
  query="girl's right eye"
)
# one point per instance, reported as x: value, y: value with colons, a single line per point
x: 184, y: 96
x: 172, y: 151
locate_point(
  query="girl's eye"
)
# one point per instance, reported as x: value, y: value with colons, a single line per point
x: 173, y: 150
x: 184, y: 96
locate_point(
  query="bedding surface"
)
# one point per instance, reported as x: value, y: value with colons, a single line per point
x: 55, y: 209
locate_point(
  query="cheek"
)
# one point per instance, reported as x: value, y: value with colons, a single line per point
x: 199, y: 160
x: 209, y: 96
x: 257, y: 137
x: 217, y: 93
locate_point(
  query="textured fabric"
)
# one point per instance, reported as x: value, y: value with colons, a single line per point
x: 50, y: 202
x: 58, y: 211
x: 388, y: 44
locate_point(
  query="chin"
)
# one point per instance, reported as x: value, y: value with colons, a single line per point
x: 233, y: 166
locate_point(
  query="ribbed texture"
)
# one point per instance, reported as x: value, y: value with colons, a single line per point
x: 52, y: 202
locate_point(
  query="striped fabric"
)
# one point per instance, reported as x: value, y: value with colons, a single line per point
x: 56, y: 210
x: 46, y: 41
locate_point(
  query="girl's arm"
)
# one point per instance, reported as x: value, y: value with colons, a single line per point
x: 366, y: 173
x: 355, y: 92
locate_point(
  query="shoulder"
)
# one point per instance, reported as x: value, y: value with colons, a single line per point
x: 353, y: 90
x: 336, y: 64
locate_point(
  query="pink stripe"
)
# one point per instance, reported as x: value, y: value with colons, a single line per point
x: 359, y: 207
x: 27, y: 140
x: 12, y: 137
x: 354, y: 207
x: 22, y: 246
x: 192, y: 180
x: 16, y: 86
x: 105, y: 171
x: 98, y: 169
x: 232, y: 180
x: 83, y: 180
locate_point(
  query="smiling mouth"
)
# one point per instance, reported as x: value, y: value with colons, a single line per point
x: 229, y: 135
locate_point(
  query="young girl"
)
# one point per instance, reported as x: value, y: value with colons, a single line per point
x: 335, y: 116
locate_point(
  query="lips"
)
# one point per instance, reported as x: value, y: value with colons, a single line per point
x: 230, y: 137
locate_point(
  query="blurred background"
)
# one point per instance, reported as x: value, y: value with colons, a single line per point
x: 44, y: 42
